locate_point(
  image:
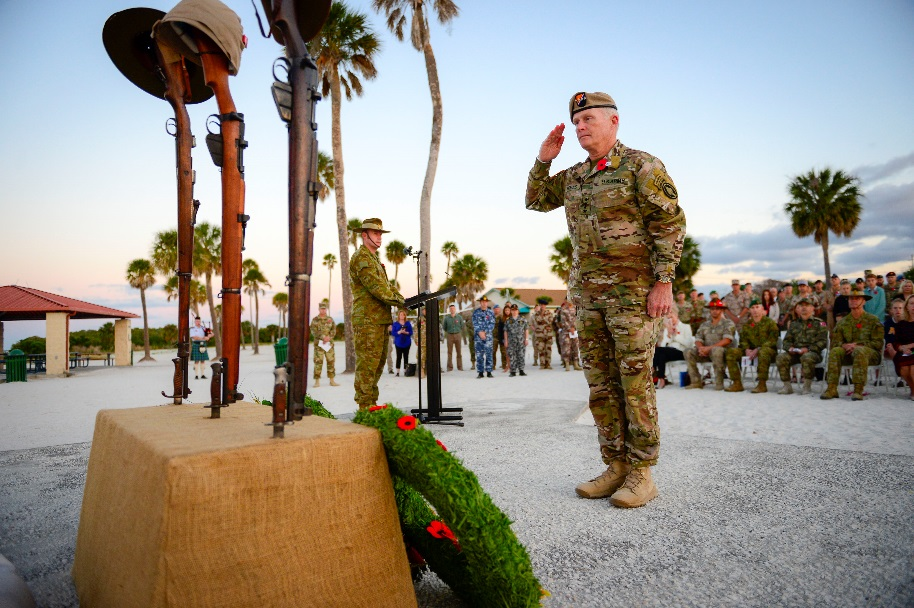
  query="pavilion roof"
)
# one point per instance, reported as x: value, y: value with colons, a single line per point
x: 27, y: 304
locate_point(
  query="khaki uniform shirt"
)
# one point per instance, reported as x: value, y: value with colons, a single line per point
x: 710, y: 334
x: 811, y: 334
x: 372, y: 293
x: 865, y: 331
x: 756, y: 335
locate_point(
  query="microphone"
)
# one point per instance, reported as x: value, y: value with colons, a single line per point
x: 408, y: 251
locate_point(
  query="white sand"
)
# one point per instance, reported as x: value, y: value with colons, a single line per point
x: 55, y: 411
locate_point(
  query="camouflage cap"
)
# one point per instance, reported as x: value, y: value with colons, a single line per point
x: 804, y: 301
x: 716, y: 303
x: 585, y: 101
x: 734, y: 282
x: 373, y: 223
x: 859, y: 293
x: 324, y: 305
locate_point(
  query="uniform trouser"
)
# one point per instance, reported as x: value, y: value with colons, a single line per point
x: 319, y: 355
x: 517, y: 352
x: 453, y: 343
x: 717, y: 359
x: 484, y: 354
x: 570, y: 353
x: 370, y: 355
x: 544, y: 345
x: 807, y: 360
x: 617, y: 348
x: 390, y: 353
x: 499, y: 346
x: 735, y: 354
x: 860, y: 358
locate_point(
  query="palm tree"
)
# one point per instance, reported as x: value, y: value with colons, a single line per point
x: 254, y: 282
x: 208, y: 262
x: 141, y: 275
x: 329, y: 262
x: 469, y: 276
x: 822, y: 202
x: 324, y: 175
x: 354, y: 230
x: 165, y: 253
x: 344, y: 50
x: 396, y: 12
x: 689, y: 263
x: 561, y: 258
x: 281, y: 302
x: 394, y: 252
x: 450, y: 251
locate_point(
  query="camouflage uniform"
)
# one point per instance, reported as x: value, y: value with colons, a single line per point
x: 570, y: 353
x: 762, y: 335
x: 419, y: 340
x: 811, y: 334
x: 543, y: 336
x: 736, y: 303
x: 627, y: 231
x: 517, y: 336
x: 372, y: 297
x: 869, y: 335
x: 483, y: 320
x: 470, y: 335
x: 532, y: 326
x: 709, y: 334
x: 699, y: 314
x: 320, y: 327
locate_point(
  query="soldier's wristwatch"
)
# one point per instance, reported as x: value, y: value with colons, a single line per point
x: 664, y: 279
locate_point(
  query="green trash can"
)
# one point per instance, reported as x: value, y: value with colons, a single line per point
x: 15, y: 366
x: 281, y: 349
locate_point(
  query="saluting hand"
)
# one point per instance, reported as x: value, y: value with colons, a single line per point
x: 552, y: 145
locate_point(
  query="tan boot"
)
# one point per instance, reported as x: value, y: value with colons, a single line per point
x: 637, y: 490
x: 830, y: 393
x: 807, y: 387
x: 735, y: 387
x: 787, y: 389
x: 719, y: 383
x: 317, y: 383
x: 334, y: 382
x: 693, y: 385
x: 577, y: 367
x: 762, y: 387
x: 858, y: 393
x: 607, y: 483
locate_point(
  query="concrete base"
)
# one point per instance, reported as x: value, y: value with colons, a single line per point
x: 183, y: 510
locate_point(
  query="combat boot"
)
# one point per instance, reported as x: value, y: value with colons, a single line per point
x: 694, y: 385
x: 637, y: 490
x: 334, y: 382
x: 787, y: 389
x: 607, y: 483
x: 858, y: 393
x: 577, y: 367
x: 521, y: 372
x: 735, y: 387
x: 830, y: 393
x: 317, y: 383
x: 762, y: 387
x: 807, y: 387
x: 719, y: 383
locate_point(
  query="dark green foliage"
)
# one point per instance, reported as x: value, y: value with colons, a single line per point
x: 31, y: 346
x: 498, y: 571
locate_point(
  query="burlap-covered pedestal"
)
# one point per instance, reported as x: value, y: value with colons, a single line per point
x: 184, y: 511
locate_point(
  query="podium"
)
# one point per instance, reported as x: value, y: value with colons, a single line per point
x: 435, y: 413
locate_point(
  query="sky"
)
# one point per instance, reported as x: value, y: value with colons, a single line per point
x: 735, y: 98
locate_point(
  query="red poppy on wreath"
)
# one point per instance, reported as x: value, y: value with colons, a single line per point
x: 601, y: 164
x: 375, y: 408
x: 406, y: 423
x: 438, y: 441
x: 439, y: 529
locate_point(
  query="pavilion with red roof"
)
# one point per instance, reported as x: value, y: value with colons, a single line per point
x: 27, y: 304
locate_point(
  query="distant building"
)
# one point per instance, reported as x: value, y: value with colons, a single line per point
x: 525, y: 298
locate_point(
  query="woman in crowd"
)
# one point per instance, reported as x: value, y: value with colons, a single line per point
x: 674, y: 341
x: 770, y: 302
x: 902, y: 344
x: 502, y: 337
x: 906, y: 289
x: 842, y: 305
x: 401, y: 330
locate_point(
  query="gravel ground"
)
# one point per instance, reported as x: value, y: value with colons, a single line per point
x: 737, y: 522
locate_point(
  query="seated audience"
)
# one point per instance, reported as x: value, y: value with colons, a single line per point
x: 876, y: 304
x: 842, y: 304
x: 770, y: 304
x: 804, y: 342
x: 675, y: 339
x: 758, y: 340
x: 902, y: 345
x: 857, y: 341
x: 711, y: 342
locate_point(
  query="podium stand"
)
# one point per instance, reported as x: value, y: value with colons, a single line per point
x: 435, y: 413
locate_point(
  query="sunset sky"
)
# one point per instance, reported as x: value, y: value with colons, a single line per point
x: 735, y: 98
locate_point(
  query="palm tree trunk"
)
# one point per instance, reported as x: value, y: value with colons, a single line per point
x: 425, y: 204
x: 256, y: 324
x: 339, y: 193
x: 217, y: 330
x: 825, y: 257
x: 329, y: 285
x: 147, y: 356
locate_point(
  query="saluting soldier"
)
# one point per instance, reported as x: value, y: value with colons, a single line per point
x: 859, y: 337
x: 321, y: 330
x: 804, y: 342
x: 372, y: 298
x: 758, y: 339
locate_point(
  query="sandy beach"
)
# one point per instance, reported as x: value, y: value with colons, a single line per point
x: 764, y: 499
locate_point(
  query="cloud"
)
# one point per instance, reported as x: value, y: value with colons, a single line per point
x: 527, y: 280
x: 875, y: 173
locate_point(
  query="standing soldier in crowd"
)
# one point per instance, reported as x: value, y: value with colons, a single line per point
x: 804, y: 342
x: 470, y: 334
x: 569, y: 336
x: 419, y: 340
x: 758, y: 339
x: 484, y: 328
x: 322, y: 330
x: 697, y: 313
x: 372, y: 297
x: 857, y: 341
x: 711, y: 342
x: 518, y: 337
x: 452, y: 326
x: 892, y: 289
x: 544, y: 333
x: 533, y: 325
x: 737, y: 304
x: 627, y: 230
x: 683, y: 306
